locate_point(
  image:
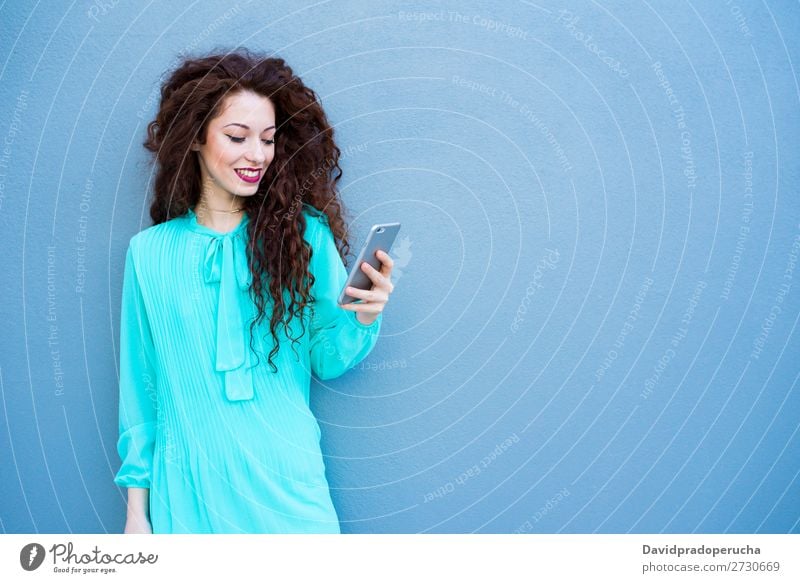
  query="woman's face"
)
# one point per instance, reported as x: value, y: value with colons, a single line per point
x: 239, y: 146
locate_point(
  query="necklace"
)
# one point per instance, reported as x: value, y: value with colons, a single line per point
x: 221, y: 211
x: 206, y: 207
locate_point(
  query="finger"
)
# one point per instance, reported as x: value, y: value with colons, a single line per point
x: 355, y: 292
x: 387, y: 262
x: 372, y: 307
x: 376, y: 277
x: 370, y: 295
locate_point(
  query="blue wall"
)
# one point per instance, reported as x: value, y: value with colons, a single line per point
x: 594, y: 322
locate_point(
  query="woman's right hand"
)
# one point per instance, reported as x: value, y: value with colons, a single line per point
x: 138, y: 525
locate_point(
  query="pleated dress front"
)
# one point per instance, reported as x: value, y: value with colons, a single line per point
x: 223, y: 443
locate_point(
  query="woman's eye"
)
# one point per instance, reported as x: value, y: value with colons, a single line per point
x: 240, y: 140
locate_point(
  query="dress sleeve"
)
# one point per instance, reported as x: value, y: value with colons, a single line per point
x: 339, y: 341
x: 137, y: 385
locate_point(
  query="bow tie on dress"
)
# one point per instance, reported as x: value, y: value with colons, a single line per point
x: 226, y: 262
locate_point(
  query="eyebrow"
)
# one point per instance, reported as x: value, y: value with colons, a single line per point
x: 241, y: 125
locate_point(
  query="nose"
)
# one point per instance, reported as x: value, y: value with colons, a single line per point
x: 256, y: 155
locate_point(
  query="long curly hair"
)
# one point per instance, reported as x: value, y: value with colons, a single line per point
x: 304, y: 170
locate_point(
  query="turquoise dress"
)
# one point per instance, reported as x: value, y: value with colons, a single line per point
x: 224, y: 444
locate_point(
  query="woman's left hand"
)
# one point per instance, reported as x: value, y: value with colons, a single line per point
x: 373, y: 300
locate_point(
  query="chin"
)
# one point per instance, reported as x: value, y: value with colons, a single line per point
x: 244, y: 192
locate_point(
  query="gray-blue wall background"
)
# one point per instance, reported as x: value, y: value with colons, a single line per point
x: 594, y: 321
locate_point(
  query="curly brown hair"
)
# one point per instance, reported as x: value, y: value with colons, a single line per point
x: 304, y: 171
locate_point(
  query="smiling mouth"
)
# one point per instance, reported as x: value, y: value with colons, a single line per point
x: 249, y: 175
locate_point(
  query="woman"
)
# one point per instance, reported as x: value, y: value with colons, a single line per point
x: 216, y: 435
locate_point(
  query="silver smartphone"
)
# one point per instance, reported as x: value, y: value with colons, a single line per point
x: 381, y: 237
